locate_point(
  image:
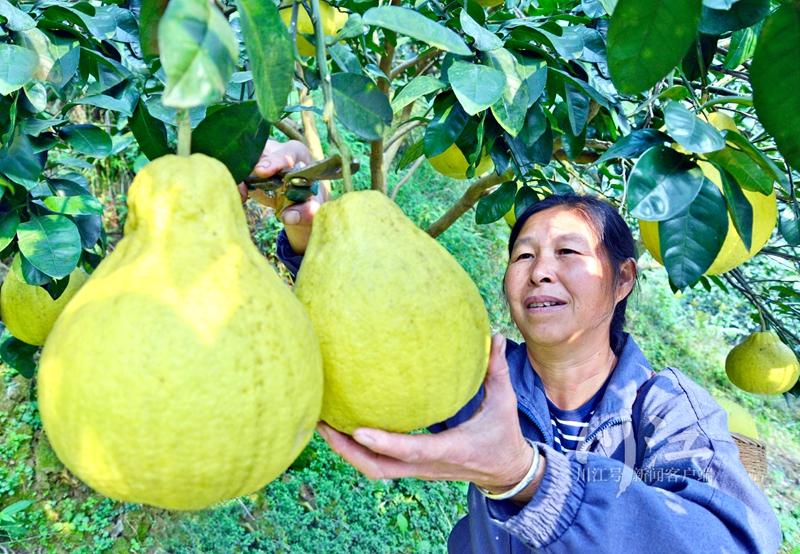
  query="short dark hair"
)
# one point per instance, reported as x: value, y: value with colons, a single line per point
x: 614, y: 234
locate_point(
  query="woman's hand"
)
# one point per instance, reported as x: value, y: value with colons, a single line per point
x: 488, y: 449
x: 297, y: 218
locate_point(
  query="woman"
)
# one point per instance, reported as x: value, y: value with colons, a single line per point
x: 573, y: 440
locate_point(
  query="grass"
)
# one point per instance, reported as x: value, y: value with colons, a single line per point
x: 321, y: 504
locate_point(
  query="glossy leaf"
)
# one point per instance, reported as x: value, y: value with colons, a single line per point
x: 738, y: 207
x: 16, y: 19
x: 245, y: 133
x: 9, y: 222
x: 743, y: 13
x: 17, y: 67
x: 577, y: 109
x: 476, y: 86
x: 150, y: 133
x: 789, y: 225
x: 647, y: 38
x: 742, y: 46
x: 413, y: 91
x: 415, y: 25
x: 90, y: 228
x: 270, y: 52
x: 87, y: 139
x: 484, y: 40
x: 73, y: 205
x: 20, y: 162
x: 740, y: 142
x: 662, y: 184
x: 198, y: 53
x: 748, y: 173
x: 17, y: 354
x: 775, y: 74
x: 534, y: 144
x: 149, y: 17
x: 51, y: 243
x: 691, y: 240
x: 524, y: 84
x: 634, y: 144
x: 360, y: 105
x: 447, y: 125
x: 691, y: 132
x: 493, y: 206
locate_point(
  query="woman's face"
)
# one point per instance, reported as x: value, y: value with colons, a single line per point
x: 559, y: 282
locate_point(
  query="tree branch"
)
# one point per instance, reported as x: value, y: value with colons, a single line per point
x: 421, y: 58
x: 377, y: 175
x: 467, y: 200
x: 407, y: 177
x: 286, y: 127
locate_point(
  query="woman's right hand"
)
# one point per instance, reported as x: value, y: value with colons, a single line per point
x: 297, y: 218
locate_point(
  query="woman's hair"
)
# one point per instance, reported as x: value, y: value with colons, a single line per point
x: 614, y: 234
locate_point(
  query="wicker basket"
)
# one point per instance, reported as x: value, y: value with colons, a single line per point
x: 753, y: 454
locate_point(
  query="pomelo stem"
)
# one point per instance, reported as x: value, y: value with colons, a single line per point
x: 184, y: 133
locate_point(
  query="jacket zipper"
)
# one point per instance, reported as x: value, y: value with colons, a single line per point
x: 605, y: 425
x: 533, y: 419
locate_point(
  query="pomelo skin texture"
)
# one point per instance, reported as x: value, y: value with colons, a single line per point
x: 762, y: 364
x: 28, y: 311
x: 403, y: 330
x: 184, y: 372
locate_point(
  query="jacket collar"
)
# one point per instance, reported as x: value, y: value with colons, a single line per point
x: 630, y: 373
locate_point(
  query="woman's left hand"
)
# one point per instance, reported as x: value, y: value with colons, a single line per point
x: 488, y: 449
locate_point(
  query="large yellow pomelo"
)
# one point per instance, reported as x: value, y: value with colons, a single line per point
x: 28, y: 311
x: 739, y: 419
x: 184, y: 372
x: 762, y: 364
x: 403, y: 330
x: 332, y: 21
x: 453, y: 163
x: 733, y: 252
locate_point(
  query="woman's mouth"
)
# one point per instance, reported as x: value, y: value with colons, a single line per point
x: 543, y: 305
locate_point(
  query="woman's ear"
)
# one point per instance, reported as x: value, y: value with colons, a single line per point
x: 626, y: 279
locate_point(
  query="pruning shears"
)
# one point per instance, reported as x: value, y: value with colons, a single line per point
x: 296, y: 185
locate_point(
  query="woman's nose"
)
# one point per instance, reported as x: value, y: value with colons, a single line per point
x: 542, y: 270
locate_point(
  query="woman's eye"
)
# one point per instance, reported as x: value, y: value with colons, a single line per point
x: 566, y: 251
x: 524, y: 256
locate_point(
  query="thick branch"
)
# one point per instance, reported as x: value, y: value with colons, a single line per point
x: 420, y: 59
x: 467, y: 200
x: 378, y: 177
x: 390, y: 150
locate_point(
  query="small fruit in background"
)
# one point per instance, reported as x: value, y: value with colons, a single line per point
x: 762, y: 364
x: 332, y: 21
x: 454, y: 164
x: 29, y: 311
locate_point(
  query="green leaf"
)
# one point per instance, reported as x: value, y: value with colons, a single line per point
x: 150, y: 133
x: 73, y: 205
x: 789, y: 225
x: 35, y: 127
x: 9, y: 222
x: 534, y: 144
x: 90, y: 228
x: 476, y: 86
x: 149, y: 17
x: 739, y: 142
x: 577, y: 109
x: 87, y: 139
x: 698, y: 58
x: 107, y: 103
x: 51, y: 243
x: 198, y: 53
x: 662, y: 184
x: 484, y: 40
x: 270, y: 52
x: 738, y: 206
x: 647, y: 38
x: 691, y: 240
x: 524, y: 84
x: 19, y: 161
x: 634, y: 144
x: 16, y: 19
x: 17, y: 67
x: 747, y: 172
x: 448, y: 123
x: 245, y: 133
x: 743, y: 13
x: 524, y: 198
x: 577, y: 42
x: 775, y: 75
x: 493, y: 206
x: 415, y: 25
x: 410, y: 155
x: 17, y: 355
x: 417, y: 88
x: 691, y: 132
x: 360, y: 105
x: 742, y: 47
